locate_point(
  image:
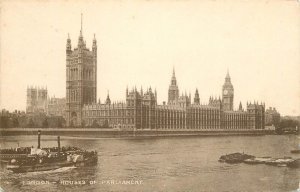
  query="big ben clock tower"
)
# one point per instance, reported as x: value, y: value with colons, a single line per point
x: 227, y: 94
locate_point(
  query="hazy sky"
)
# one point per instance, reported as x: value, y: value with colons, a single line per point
x: 139, y: 42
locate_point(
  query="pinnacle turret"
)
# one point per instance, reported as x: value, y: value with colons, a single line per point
x: 240, y: 107
x: 68, y: 45
x: 196, y: 98
x: 94, y: 43
x: 108, y: 99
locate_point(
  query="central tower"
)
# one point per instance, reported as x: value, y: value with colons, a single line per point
x: 81, y: 81
x: 173, y: 90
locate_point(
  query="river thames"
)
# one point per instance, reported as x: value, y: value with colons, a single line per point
x: 161, y: 164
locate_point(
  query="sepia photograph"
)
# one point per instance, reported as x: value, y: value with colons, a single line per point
x: 128, y: 95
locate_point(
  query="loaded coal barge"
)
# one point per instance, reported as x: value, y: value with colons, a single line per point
x: 45, y: 159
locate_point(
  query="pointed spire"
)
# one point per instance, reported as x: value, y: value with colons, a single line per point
x: 80, y: 39
x: 196, y: 97
x: 240, y: 106
x: 94, y: 39
x: 173, y: 79
x: 107, y: 98
x: 173, y: 71
x: 227, y: 75
x: 68, y: 46
x: 81, y: 26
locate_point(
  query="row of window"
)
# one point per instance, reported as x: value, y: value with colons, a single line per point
x: 80, y: 59
x: 126, y: 112
x: 180, y: 125
x: 85, y: 74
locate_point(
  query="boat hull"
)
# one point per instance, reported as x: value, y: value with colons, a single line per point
x: 38, y: 167
x: 51, y: 166
x: 297, y: 151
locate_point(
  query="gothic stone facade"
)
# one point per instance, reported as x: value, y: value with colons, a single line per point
x: 56, y: 107
x: 36, y: 100
x: 141, y: 111
x: 81, y: 81
x: 272, y: 117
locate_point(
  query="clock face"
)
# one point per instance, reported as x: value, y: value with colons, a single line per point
x: 225, y: 92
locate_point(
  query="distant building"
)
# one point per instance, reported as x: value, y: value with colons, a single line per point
x: 36, y: 100
x: 272, y: 117
x: 56, y: 107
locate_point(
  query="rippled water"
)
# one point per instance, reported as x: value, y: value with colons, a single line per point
x: 163, y: 164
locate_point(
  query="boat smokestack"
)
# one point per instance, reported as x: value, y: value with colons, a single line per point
x: 58, y: 144
x: 39, y: 139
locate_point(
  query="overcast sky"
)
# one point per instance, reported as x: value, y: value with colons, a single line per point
x: 139, y: 42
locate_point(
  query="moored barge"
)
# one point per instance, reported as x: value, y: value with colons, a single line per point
x: 250, y: 159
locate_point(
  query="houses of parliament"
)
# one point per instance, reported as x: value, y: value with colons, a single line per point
x: 140, y: 109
